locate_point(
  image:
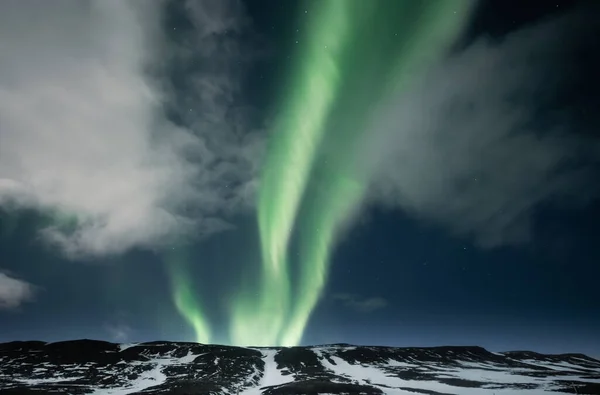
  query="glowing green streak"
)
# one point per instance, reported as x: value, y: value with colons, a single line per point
x: 440, y: 23
x: 298, y: 133
x: 340, y: 200
x: 300, y: 130
x: 341, y: 186
x: 183, y: 294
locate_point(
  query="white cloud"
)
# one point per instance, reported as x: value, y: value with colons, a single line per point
x: 490, y: 135
x: 361, y: 304
x: 119, y: 332
x: 14, y: 292
x: 83, y: 133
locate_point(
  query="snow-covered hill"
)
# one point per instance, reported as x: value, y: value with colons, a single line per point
x: 95, y: 367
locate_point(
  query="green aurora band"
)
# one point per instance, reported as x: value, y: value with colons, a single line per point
x: 338, y: 185
x: 335, y: 89
x: 298, y: 133
x: 354, y: 55
x: 183, y: 293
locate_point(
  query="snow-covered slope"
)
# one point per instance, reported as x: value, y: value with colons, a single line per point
x: 94, y: 367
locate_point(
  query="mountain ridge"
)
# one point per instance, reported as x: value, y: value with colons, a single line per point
x: 155, y: 342
x: 88, y: 366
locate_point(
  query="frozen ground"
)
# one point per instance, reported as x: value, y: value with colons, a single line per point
x: 101, y: 368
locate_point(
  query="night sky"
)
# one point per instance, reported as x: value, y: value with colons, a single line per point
x: 383, y: 172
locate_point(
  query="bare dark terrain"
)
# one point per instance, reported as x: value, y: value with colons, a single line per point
x: 96, y: 367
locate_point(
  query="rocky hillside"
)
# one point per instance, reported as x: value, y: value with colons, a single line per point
x: 96, y: 367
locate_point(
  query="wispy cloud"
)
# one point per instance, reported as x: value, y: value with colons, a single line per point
x: 86, y: 133
x: 14, y: 291
x: 361, y: 304
x: 119, y: 332
x: 491, y: 134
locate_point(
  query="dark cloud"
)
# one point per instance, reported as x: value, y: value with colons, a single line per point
x: 491, y: 134
x: 359, y: 303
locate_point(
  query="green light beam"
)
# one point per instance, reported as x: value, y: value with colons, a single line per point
x: 341, y: 185
x: 293, y: 144
x: 183, y: 293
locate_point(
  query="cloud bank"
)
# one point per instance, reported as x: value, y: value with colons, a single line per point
x: 490, y: 135
x: 361, y: 304
x: 14, y: 292
x: 85, y: 131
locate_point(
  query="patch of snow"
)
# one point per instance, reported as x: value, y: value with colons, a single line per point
x: 125, y: 346
x: 271, y: 374
x: 586, y: 360
x: 579, y: 378
x: 494, y: 376
x: 147, y: 379
x: 47, y: 380
x: 369, y: 375
x: 559, y: 366
x: 189, y: 358
x: 393, y: 362
x: 569, y: 366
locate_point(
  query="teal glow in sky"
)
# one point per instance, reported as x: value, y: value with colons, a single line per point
x: 353, y: 52
x: 364, y: 171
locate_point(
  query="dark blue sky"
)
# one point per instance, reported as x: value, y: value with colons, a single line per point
x: 429, y: 284
x: 439, y: 289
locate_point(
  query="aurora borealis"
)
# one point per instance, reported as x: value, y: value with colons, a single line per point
x: 184, y: 295
x: 287, y: 168
x: 269, y: 173
x: 350, y: 55
x: 347, y: 63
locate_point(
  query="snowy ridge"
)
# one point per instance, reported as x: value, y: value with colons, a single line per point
x: 270, y: 376
x: 102, y: 368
